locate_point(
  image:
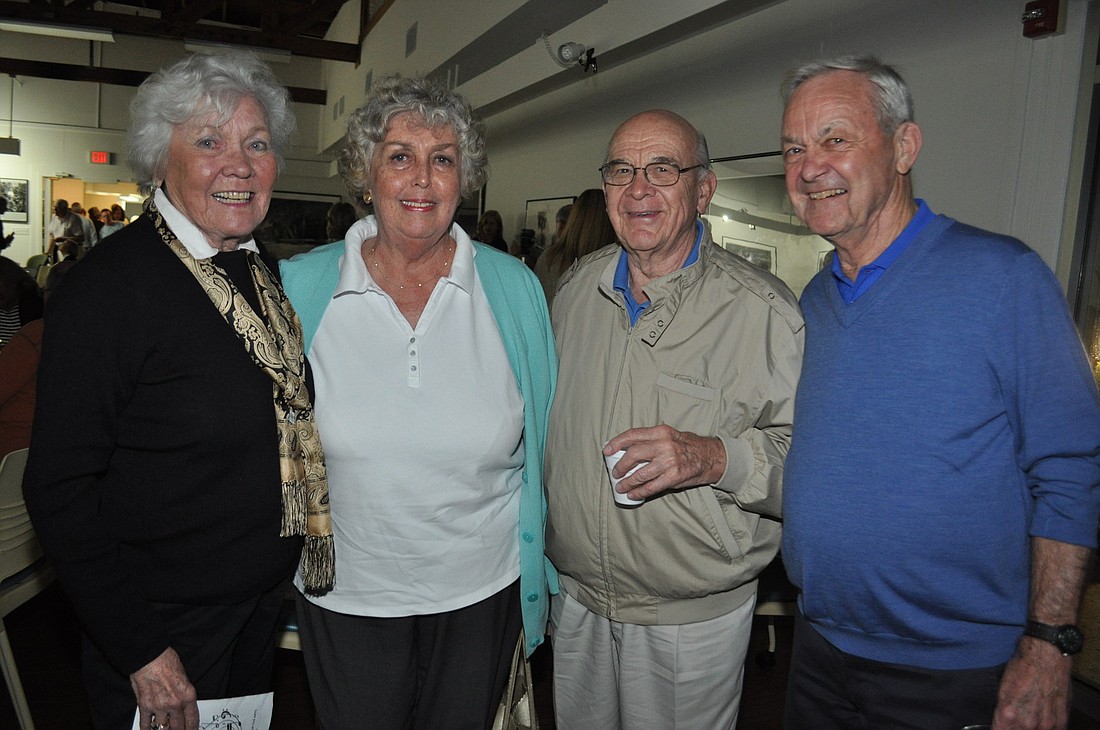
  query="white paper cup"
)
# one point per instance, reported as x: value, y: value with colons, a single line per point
x: 621, y: 498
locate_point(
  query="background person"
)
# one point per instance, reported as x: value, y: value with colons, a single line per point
x: 70, y: 251
x: 490, y: 230
x: 110, y: 225
x: 20, y: 299
x: 339, y: 218
x: 435, y: 367
x: 167, y: 481
x: 97, y: 222
x: 18, y: 364
x: 64, y: 224
x: 686, y: 357
x: 87, y: 227
x: 942, y: 489
x: 20, y: 341
x: 5, y: 241
x: 586, y: 229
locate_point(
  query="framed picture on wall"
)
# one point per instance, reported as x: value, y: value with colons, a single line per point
x: 540, y: 217
x: 16, y: 192
x: 757, y: 254
x: 296, y: 218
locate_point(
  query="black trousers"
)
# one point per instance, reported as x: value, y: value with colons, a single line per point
x: 227, y: 651
x: 831, y: 690
x: 443, y: 671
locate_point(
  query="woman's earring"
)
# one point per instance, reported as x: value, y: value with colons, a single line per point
x: 367, y: 198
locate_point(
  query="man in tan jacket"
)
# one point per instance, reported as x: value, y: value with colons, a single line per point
x: 686, y: 358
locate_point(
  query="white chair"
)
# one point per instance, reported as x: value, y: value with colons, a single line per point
x: 288, y: 623
x: 775, y: 596
x: 23, y: 571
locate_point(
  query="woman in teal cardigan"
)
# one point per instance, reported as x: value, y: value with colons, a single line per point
x: 435, y: 367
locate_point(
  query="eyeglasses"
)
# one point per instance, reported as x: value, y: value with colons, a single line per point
x: 661, y: 174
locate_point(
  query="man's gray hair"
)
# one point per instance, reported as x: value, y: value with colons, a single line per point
x: 433, y: 103
x: 196, y: 86
x: 893, y: 102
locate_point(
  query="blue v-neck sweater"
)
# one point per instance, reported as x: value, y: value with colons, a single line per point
x: 943, y: 418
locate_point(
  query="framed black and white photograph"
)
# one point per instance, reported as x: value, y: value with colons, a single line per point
x: 296, y: 218
x: 540, y: 217
x: 16, y: 191
x: 757, y: 254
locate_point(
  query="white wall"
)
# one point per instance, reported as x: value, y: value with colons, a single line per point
x: 997, y: 110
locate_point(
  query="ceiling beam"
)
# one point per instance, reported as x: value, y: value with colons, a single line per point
x: 194, y: 11
x: 174, y: 29
x: 117, y: 76
x: 306, y: 13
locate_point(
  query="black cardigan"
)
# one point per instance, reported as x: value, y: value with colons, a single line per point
x: 153, y: 472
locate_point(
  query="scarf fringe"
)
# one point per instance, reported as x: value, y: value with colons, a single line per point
x: 318, y: 564
x: 294, y: 509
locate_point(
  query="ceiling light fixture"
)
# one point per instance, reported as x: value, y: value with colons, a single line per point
x: 10, y: 145
x: 58, y: 31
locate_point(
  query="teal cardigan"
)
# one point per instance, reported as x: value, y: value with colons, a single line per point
x: 518, y: 304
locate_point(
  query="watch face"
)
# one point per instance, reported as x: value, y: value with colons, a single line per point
x: 1069, y: 639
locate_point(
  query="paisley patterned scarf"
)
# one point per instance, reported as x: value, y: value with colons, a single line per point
x: 273, y: 338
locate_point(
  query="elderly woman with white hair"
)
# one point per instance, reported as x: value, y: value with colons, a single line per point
x: 174, y: 463
x: 435, y: 365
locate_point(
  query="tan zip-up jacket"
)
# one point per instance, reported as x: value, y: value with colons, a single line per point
x: 717, y: 353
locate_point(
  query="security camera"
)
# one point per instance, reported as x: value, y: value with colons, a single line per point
x: 570, y: 52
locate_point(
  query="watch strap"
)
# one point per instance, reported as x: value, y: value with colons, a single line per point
x: 1038, y: 630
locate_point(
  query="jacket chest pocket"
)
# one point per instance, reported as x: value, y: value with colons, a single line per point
x: 686, y: 406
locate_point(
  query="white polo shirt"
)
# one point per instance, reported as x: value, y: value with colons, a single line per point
x: 423, y: 437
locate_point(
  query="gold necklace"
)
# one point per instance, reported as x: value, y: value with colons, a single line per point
x: 443, y: 272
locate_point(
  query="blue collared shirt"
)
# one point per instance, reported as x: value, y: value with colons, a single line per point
x: 622, y: 277
x: 872, y: 272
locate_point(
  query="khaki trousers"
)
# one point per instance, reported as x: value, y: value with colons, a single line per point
x: 615, y: 676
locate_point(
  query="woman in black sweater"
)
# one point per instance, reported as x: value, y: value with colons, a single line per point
x: 173, y: 434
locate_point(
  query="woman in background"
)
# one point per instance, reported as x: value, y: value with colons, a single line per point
x: 587, y: 229
x: 434, y: 367
x: 490, y: 230
x: 339, y: 218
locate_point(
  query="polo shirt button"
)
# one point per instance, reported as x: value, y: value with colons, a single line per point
x: 528, y: 537
x: 653, y: 333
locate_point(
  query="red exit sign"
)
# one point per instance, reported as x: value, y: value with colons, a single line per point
x: 100, y: 157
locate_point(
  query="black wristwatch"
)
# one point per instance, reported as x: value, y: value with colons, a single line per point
x: 1067, y: 638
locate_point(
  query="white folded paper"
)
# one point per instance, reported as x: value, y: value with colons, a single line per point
x: 232, y: 713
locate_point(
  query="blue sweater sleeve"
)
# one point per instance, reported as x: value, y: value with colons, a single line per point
x: 1051, y: 399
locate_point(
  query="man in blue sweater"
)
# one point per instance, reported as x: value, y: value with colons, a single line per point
x: 942, y: 490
